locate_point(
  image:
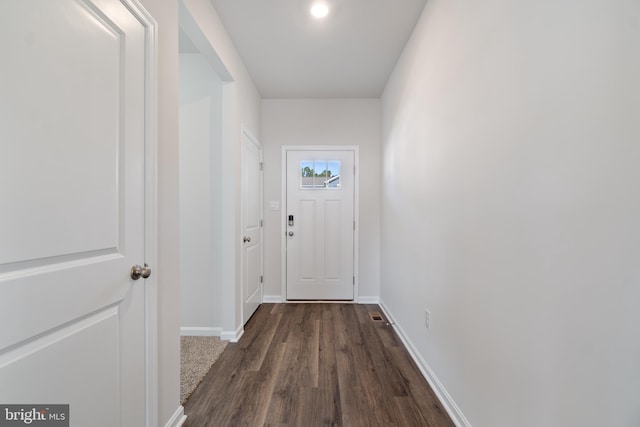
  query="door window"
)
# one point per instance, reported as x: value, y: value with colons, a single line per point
x: 320, y: 174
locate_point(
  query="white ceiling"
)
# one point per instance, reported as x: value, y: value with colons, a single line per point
x: 349, y: 54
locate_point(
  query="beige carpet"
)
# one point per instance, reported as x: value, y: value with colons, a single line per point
x: 197, y: 355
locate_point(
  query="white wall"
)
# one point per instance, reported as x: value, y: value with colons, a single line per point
x: 165, y: 12
x: 245, y: 108
x: 323, y: 122
x: 511, y: 150
x: 200, y: 196
x: 241, y: 106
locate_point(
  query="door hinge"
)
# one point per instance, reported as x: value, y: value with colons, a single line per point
x: 354, y: 280
x: 354, y: 224
x: 261, y: 223
x: 261, y: 279
x: 260, y: 165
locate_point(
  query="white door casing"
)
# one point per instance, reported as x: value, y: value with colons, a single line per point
x: 320, y: 238
x: 251, y: 225
x: 76, y: 113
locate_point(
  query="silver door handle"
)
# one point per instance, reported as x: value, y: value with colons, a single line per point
x: 290, y: 233
x: 138, y: 272
x: 246, y: 239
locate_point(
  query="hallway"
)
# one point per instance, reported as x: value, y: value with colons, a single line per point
x: 315, y: 364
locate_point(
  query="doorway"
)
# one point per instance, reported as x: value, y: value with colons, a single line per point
x: 200, y: 194
x: 201, y: 121
x: 210, y: 268
x: 320, y: 223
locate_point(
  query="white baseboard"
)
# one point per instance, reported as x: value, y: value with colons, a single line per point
x: 441, y: 393
x: 200, y: 331
x: 368, y: 300
x: 239, y: 334
x: 272, y: 299
x: 178, y: 418
x: 232, y: 336
x: 277, y: 299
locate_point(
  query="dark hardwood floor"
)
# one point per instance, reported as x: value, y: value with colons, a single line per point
x: 315, y: 365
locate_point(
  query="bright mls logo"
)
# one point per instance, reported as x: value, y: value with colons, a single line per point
x: 34, y: 415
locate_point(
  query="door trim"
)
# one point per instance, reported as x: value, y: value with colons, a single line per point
x: 283, y: 211
x: 150, y: 205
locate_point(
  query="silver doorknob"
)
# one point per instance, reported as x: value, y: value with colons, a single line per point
x: 290, y: 233
x: 246, y: 239
x: 138, y: 272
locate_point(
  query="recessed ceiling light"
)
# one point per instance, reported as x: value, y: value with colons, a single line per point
x: 319, y: 10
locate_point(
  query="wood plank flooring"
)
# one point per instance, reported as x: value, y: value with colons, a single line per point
x: 305, y: 365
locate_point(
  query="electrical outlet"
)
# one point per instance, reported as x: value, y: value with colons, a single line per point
x: 427, y: 318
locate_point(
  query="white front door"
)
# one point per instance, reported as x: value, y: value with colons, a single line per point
x: 251, y: 225
x: 72, y: 208
x: 320, y: 224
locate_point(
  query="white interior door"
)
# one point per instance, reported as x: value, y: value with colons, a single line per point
x: 72, y: 200
x: 251, y: 226
x: 320, y: 225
